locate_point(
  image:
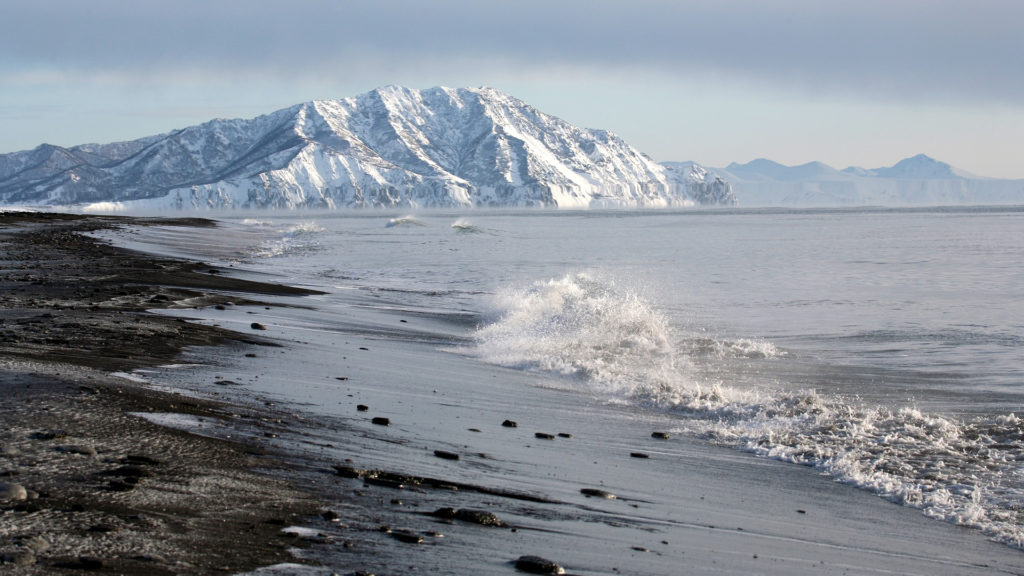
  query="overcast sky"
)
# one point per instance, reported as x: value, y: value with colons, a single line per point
x: 862, y: 82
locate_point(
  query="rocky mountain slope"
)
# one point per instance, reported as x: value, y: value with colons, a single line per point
x: 392, y: 147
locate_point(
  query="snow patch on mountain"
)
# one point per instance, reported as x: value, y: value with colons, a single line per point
x: 391, y: 147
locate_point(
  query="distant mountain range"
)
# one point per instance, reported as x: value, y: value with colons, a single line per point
x: 396, y: 147
x: 919, y: 180
x: 392, y: 147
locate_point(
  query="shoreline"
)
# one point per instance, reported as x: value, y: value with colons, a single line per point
x: 355, y: 446
x: 87, y: 482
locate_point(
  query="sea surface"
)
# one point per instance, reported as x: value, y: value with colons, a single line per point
x: 882, y: 348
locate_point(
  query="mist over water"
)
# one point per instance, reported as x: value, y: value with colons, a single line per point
x: 880, y: 347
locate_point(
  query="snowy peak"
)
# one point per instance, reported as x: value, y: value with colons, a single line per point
x: 393, y: 146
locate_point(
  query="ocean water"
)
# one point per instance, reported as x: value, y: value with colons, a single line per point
x: 882, y: 348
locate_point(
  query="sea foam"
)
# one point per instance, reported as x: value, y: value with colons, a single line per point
x: 613, y: 343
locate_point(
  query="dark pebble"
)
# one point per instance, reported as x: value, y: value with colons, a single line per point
x: 130, y: 471
x: 120, y: 486
x: 139, y: 459
x: 660, y: 435
x: 362, y: 407
x: 386, y: 483
x: 349, y: 471
x: 481, y: 517
x: 219, y: 307
x: 407, y: 537
x: 446, y: 455
x: 538, y: 565
x: 597, y: 493
x: 381, y: 421
x: 19, y: 558
x: 544, y: 436
x: 564, y: 435
x: 330, y: 516
x: 638, y: 455
x: 509, y: 424
x: 257, y: 326
x: 363, y: 348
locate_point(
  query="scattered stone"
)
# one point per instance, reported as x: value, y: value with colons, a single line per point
x: 20, y: 558
x: 660, y: 435
x: 473, y: 429
x: 50, y: 435
x: 446, y: 455
x: 362, y: 407
x: 330, y: 516
x: 640, y: 549
x: 122, y: 485
x: 407, y: 537
x: 510, y: 424
x: 801, y: 511
x: 638, y: 455
x: 226, y: 383
x: 588, y: 492
x: 564, y: 435
x: 538, y: 565
x: 363, y: 348
x: 12, y: 492
x: 219, y: 307
x: 257, y: 326
x: 349, y: 471
x: 385, y: 482
x: 481, y: 517
x: 544, y: 436
x: 381, y: 421
x: 78, y: 449
x: 446, y: 513
x: 129, y: 471
x: 140, y: 460
x: 341, y: 378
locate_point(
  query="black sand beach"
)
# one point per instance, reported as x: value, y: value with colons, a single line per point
x: 86, y: 484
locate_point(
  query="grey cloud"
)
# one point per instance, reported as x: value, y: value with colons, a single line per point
x: 913, y: 49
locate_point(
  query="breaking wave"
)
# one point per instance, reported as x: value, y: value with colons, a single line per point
x: 464, y: 226
x: 295, y: 239
x: 612, y: 342
x: 404, y: 221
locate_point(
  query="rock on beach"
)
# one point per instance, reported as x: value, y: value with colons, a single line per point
x: 11, y: 491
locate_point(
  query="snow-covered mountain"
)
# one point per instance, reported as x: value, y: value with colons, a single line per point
x: 392, y: 147
x: 919, y: 180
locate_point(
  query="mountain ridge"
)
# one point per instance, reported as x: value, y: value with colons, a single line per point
x: 390, y: 147
x: 914, y: 181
